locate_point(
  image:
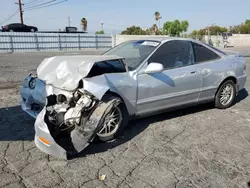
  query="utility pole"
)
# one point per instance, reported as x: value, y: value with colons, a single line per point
x: 69, y: 21
x: 21, y: 10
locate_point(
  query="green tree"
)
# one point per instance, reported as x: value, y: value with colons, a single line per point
x: 243, y: 28
x: 175, y: 28
x: 134, y: 30
x: 215, y: 30
x: 197, y: 34
x: 184, y: 25
x: 99, y: 32
x: 247, y: 22
x: 235, y: 29
x: 84, y: 24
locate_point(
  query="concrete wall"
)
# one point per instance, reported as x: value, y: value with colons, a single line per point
x: 240, y: 40
x: 237, y: 40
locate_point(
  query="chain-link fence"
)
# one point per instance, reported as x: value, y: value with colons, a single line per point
x: 12, y: 41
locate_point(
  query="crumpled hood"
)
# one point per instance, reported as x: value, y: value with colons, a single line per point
x: 65, y: 72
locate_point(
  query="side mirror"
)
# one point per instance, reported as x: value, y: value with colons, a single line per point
x: 154, y: 68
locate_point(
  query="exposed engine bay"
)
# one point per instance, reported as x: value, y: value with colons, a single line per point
x: 73, y: 121
x: 65, y: 113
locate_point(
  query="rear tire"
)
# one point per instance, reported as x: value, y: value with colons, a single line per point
x: 107, y: 133
x: 225, y: 95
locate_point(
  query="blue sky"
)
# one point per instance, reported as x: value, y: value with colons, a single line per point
x: 119, y: 14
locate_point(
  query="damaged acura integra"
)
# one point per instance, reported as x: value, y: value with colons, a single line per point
x: 76, y: 99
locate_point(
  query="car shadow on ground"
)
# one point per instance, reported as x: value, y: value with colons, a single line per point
x: 17, y: 125
x: 241, y: 95
x: 135, y: 127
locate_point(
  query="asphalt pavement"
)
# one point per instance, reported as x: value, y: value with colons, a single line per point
x: 197, y: 147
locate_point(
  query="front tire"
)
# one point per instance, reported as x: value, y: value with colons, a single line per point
x: 225, y: 95
x: 114, y: 122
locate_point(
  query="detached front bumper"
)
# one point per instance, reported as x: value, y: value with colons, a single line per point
x: 33, y: 99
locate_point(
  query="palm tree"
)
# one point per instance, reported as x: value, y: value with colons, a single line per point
x: 154, y: 29
x: 84, y: 24
x: 158, y: 17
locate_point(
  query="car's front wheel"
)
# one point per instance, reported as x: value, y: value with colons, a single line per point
x: 114, y: 122
x: 225, y: 95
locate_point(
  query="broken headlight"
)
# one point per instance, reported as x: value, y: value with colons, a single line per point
x: 32, y: 83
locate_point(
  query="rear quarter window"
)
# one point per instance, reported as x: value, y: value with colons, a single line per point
x: 203, y: 54
x: 216, y: 49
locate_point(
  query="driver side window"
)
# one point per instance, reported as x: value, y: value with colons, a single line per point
x: 174, y: 54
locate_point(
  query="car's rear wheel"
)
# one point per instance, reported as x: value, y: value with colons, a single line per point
x: 11, y: 30
x: 114, y: 122
x: 225, y: 95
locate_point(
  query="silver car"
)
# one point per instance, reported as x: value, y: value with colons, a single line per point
x: 78, y: 98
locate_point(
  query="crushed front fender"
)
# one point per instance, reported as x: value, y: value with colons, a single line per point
x: 83, y: 134
x: 80, y: 137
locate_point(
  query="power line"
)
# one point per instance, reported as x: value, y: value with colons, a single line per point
x: 34, y: 8
x: 11, y: 16
x: 30, y: 8
x: 33, y: 2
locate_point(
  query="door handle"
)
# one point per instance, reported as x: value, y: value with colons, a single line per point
x: 193, y: 72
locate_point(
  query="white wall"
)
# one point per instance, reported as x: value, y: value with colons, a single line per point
x: 240, y: 40
x: 236, y: 40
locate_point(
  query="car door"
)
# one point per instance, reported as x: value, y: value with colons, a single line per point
x: 211, y: 66
x: 12, y: 27
x: 178, y: 84
x: 19, y: 28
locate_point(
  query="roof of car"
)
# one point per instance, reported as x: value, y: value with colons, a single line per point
x: 165, y: 39
x: 14, y: 23
x: 175, y: 38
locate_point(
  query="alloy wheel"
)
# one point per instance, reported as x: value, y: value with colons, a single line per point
x: 111, y: 123
x: 226, y: 94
